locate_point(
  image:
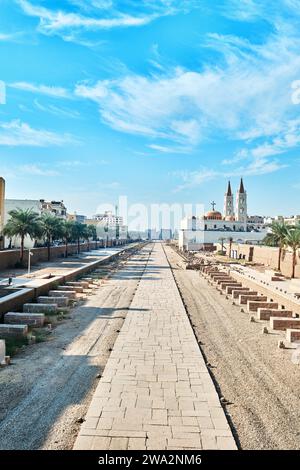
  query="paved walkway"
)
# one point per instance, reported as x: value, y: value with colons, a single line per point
x: 156, y: 392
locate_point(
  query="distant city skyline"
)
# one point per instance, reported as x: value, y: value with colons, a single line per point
x: 160, y: 101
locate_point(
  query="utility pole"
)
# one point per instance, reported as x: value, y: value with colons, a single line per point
x: 29, y: 260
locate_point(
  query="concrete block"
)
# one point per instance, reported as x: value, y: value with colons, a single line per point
x: 292, y: 335
x: 60, y: 301
x: 71, y: 294
x: 281, y: 323
x: 40, y: 308
x: 243, y: 298
x: 71, y: 288
x: 9, y: 331
x: 253, y: 306
x: 32, y: 319
x: 267, y: 313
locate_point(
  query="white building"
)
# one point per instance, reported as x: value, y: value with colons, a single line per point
x: 23, y: 204
x: 197, y: 232
x: 108, y: 218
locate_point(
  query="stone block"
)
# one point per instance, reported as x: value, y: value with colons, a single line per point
x: 9, y: 331
x: 78, y: 289
x: 267, y: 313
x: 71, y: 294
x: 236, y: 293
x: 60, y: 301
x: 254, y: 305
x: 32, y: 319
x: 226, y: 284
x: 231, y: 288
x: 41, y: 308
x: 243, y: 298
x: 281, y: 323
x: 83, y: 284
x: 292, y: 335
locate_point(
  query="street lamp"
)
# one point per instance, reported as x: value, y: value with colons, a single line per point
x: 29, y: 259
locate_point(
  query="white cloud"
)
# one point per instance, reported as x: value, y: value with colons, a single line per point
x: 36, y: 170
x: 53, y: 91
x: 11, y: 37
x: 246, y: 98
x: 191, y: 179
x: 18, y: 133
x: 57, y: 111
x: 52, y: 21
x: 166, y: 149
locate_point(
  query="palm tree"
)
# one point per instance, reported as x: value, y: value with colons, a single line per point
x: 93, y: 233
x: 22, y: 223
x: 86, y: 235
x: 51, y: 229
x: 277, y: 237
x: 230, y: 239
x: 66, y: 233
x: 293, y: 241
x: 77, y: 233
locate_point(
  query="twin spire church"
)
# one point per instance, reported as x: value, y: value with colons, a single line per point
x: 234, y: 216
x: 202, y: 231
x: 240, y: 213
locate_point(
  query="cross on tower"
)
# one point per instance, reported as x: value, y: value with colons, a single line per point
x: 213, y: 205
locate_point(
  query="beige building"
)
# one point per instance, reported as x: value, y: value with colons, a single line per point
x: 56, y: 208
x: 77, y: 218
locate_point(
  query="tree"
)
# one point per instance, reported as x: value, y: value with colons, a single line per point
x: 22, y: 223
x: 51, y: 229
x: 67, y: 233
x: 277, y: 237
x: 93, y: 233
x: 77, y: 233
x: 293, y: 241
x: 86, y: 235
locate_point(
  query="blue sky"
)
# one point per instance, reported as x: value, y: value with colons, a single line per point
x: 159, y: 100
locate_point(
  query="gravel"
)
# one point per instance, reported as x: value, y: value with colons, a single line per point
x: 258, y: 382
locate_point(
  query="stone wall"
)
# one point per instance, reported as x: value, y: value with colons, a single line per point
x: 9, y: 258
x: 267, y: 256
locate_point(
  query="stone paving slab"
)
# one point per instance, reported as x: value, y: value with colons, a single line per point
x: 156, y: 391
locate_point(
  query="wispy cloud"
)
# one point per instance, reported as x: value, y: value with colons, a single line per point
x: 245, y: 99
x: 36, y: 170
x: 27, y: 170
x: 17, y: 133
x: 165, y: 149
x: 192, y: 179
x: 53, y: 91
x: 57, y: 110
x: 11, y: 37
x: 82, y: 17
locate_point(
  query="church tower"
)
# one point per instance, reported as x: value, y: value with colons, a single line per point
x: 228, y: 203
x: 241, y: 204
